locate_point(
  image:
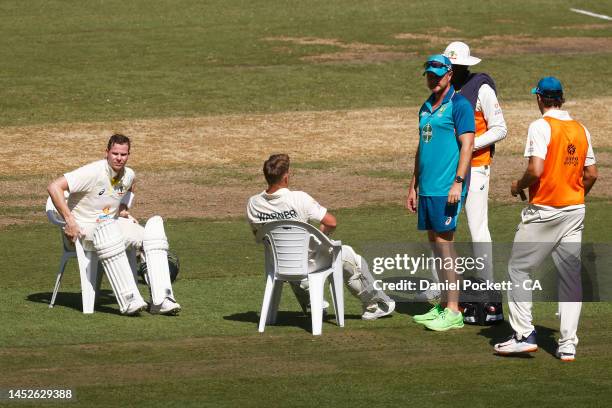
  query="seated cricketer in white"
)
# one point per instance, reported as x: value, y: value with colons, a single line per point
x: 277, y: 202
x: 96, y: 214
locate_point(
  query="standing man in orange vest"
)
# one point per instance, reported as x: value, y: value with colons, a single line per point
x: 479, y: 89
x: 560, y: 173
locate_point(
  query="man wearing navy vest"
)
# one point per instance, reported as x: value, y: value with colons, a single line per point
x: 479, y: 89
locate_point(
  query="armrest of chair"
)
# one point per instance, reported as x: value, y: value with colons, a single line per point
x: 128, y: 199
x: 53, y: 216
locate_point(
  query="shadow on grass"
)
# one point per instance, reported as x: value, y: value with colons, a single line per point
x: 72, y: 300
x: 412, y: 308
x: 294, y: 319
x: 500, y: 332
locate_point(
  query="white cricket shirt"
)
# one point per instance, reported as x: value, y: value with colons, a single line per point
x: 96, y: 192
x: 283, y: 204
x: 488, y: 104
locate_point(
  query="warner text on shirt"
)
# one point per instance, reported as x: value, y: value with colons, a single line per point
x: 274, y: 216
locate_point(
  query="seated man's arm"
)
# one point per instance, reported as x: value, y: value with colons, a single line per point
x: 56, y: 191
x: 328, y: 224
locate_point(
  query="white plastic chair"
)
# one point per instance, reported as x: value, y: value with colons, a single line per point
x: 286, y: 258
x: 87, y: 260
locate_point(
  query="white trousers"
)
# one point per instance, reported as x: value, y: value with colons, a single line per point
x: 132, y: 232
x: 357, y: 277
x: 477, y: 212
x: 540, y: 234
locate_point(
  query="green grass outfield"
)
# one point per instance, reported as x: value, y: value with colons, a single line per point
x: 95, y: 60
x: 212, y: 354
x: 65, y: 61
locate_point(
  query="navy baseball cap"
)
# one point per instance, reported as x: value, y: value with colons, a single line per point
x: 549, y: 87
x: 438, y: 64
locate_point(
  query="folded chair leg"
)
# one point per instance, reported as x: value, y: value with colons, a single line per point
x: 266, y: 302
x: 58, y: 279
x: 336, y: 287
x: 316, y: 283
x: 88, y: 268
x: 276, y: 296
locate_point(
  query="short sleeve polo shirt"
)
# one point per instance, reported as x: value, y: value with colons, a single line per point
x: 439, y: 145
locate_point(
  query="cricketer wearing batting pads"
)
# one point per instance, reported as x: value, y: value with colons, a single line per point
x: 560, y: 173
x: 277, y: 202
x: 479, y: 89
x: 96, y: 213
x: 446, y: 139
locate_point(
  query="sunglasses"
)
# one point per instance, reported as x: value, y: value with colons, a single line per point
x: 436, y: 64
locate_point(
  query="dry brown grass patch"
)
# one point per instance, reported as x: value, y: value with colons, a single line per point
x: 213, y: 164
x: 357, y: 52
x: 601, y: 26
x: 352, y: 52
x: 516, y: 44
x: 523, y: 44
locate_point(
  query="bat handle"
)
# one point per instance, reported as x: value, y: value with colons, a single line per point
x: 523, y: 196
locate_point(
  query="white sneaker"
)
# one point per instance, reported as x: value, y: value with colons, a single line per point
x: 514, y: 345
x: 565, y: 356
x: 135, y: 307
x: 374, y: 311
x: 167, y: 307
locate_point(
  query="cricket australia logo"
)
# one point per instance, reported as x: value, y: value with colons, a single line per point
x: 427, y: 133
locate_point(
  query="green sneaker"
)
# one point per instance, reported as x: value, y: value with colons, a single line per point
x: 445, y: 321
x: 433, y: 314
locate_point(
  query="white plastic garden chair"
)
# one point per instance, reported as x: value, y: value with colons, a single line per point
x: 286, y: 258
x: 89, y: 268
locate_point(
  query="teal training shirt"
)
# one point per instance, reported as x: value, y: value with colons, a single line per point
x: 439, y: 144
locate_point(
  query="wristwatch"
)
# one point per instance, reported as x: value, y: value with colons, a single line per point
x: 459, y: 179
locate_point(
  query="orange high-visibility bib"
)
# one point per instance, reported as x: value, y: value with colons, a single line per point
x: 481, y: 157
x: 561, y: 184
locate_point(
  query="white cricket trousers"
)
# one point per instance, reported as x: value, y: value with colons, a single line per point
x: 477, y: 212
x: 132, y: 232
x: 357, y: 277
x: 540, y: 234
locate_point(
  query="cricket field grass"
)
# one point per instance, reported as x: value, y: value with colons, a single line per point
x: 207, y: 90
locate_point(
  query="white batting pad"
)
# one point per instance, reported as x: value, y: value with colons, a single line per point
x: 110, y: 246
x: 155, y: 245
x: 351, y: 263
x: 359, y: 279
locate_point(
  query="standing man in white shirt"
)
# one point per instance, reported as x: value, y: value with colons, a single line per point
x: 277, y: 202
x: 479, y: 89
x: 97, y: 213
x: 560, y: 173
